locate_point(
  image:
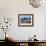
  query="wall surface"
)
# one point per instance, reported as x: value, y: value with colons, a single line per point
x: 11, y: 8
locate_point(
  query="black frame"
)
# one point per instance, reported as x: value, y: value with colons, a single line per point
x: 26, y: 15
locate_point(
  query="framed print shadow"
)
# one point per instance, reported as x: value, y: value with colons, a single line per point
x: 25, y: 20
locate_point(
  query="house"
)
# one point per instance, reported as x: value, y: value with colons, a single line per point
x: 11, y: 8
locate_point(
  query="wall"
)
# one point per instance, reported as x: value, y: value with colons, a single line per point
x: 11, y: 8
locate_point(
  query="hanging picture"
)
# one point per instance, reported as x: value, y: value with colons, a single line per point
x: 25, y: 20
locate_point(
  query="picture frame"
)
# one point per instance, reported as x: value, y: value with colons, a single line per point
x: 25, y: 20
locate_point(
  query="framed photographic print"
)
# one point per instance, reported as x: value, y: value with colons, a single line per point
x: 25, y: 20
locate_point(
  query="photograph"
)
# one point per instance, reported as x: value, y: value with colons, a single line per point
x: 25, y: 19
